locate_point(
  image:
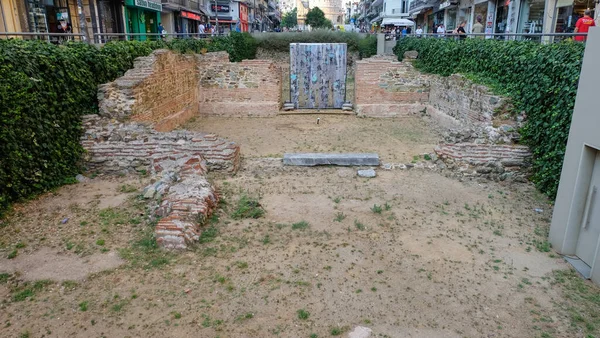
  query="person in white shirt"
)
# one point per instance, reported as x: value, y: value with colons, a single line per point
x: 201, y: 28
x: 441, y: 31
x: 419, y: 31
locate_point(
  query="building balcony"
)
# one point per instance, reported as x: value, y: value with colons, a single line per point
x: 174, y: 3
x: 193, y: 5
x: 375, y: 10
x: 419, y: 5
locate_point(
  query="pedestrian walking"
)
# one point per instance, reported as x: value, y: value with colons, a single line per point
x: 419, y: 31
x: 201, y: 29
x: 583, y: 25
x: 462, y: 34
x: 478, y: 27
x: 441, y: 31
x: 161, y: 30
x: 404, y: 32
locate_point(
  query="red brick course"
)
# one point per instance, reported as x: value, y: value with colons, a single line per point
x: 385, y: 88
x: 477, y: 154
x: 114, y: 147
x: 247, y: 88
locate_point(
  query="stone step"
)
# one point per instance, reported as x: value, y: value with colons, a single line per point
x: 349, y: 159
x: 316, y: 111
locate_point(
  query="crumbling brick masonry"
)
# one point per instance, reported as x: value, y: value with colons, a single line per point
x: 178, y: 161
x: 134, y: 130
x: 388, y: 88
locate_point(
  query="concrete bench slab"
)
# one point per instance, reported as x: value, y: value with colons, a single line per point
x: 313, y: 159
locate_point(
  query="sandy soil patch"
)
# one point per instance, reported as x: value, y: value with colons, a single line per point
x: 407, y: 254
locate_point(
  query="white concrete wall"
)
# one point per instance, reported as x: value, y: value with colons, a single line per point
x: 584, y: 135
x: 168, y: 22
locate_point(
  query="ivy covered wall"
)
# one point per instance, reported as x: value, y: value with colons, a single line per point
x: 541, y: 79
x: 46, y: 88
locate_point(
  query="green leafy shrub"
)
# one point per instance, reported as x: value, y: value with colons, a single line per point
x: 280, y: 42
x: 367, y: 47
x: 43, y: 93
x: 541, y: 79
x: 45, y: 89
x: 241, y: 46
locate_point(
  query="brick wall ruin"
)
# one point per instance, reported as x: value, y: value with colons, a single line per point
x: 134, y: 131
x: 479, y: 133
x: 247, y: 88
x: 161, y: 89
x: 177, y: 161
x: 463, y: 100
x: 166, y: 89
x: 387, y: 88
x: 480, y: 154
x: 115, y: 147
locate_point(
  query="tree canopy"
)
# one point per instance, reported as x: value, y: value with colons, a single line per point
x: 316, y: 19
x: 290, y: 19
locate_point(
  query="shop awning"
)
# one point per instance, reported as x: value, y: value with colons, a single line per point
x: 223, y: 19
x: 376, y: 19
x: 192, y: 15
x: 397, y: 22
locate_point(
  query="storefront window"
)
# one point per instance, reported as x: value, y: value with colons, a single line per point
x: 567, y: 17
x: 438, y: 18
x: 464, y: 14
x: 481, y: 12
x: 109, y: 15
x: 501, y: 18
x: 451, y: 19
x: 531, y: 17
x: 38, y: 21
x: 49, y: 16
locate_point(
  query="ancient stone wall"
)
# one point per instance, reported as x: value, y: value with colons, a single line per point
x: 115, y: 147
x: 161, y: 89
x: 166, y: 89
x: 481, y: 138
x: 185, y: 199
x: 388, y: 88
x: 460, y: 98
x: 247, y: 88
x: 177, y: 161
x: 478, y: 154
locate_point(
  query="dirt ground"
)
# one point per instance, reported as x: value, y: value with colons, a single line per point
x: 410, y: 253
x: 272, y: 137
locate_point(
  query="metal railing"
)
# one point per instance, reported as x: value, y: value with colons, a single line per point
x: 418, y: 5
x: 99, y: 38
x: 539, y: 37
x: 50, y: 37
x: 105, y: 37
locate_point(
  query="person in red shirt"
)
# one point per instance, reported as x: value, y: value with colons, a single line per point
x: 583, y: 25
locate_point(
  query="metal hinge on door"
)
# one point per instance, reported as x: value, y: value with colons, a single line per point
x: 588, y: 208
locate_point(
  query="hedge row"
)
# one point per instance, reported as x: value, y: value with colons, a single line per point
x: 366, y: 46
x: 541, y: 79
x: 45, y: 89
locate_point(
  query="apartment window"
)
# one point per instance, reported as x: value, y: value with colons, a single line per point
x: 404, y: 6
